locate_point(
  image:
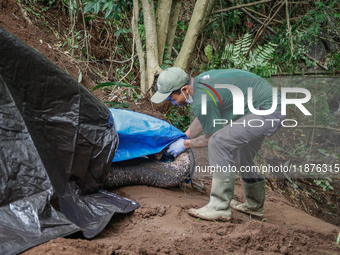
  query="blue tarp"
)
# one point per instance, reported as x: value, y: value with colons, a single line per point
x: 141, y: 134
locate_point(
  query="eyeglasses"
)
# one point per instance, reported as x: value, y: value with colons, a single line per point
x: 171, y: 100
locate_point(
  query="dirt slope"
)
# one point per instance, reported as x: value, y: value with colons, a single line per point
x: 161, y: 225
x: 12, y: 19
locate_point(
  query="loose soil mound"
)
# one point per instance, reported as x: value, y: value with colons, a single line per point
x: 69, y: 246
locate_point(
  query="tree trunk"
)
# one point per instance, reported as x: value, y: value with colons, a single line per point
x: 175, y: 10
x: 162, y: 23
x: 207, y: 15
x: 192, y: 34
x: 79, y: 12
x: 139, y: 47
x: 151, y: 42
x: 72, y: 29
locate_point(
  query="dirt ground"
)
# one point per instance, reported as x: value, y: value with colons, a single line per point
x: 161, y: 225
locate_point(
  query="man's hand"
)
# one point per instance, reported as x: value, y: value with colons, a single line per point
x: 177, y: 147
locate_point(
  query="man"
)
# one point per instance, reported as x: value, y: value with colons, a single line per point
x: 231, y: 146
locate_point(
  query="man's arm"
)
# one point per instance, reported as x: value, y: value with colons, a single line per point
x: 194, y: 129
x: 201, y: 141
x: 192, y: 133
x: 193, y: 142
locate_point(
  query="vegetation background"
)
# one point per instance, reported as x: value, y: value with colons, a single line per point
x: 123, y: 45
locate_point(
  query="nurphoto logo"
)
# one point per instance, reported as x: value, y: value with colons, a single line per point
x: 238, y: 103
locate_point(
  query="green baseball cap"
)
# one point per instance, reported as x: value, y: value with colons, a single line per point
x: 170, y: 80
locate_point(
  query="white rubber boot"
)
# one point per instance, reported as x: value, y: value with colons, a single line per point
x: 222, y: 190
x: 255, y: 195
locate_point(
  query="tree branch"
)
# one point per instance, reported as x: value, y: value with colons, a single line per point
x: 241, y: 6
x: 254, y: 18
x: 133, y: 46
x: 262, y: 15
x: 122, y: 62
x: 264, y: 27
x: 175, y: 50
x: 290, y: 30
x: 317, y: 62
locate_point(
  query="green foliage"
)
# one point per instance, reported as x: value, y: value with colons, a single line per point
x: 284, y: 57
x: 181, y: 25
x: 333, y: 61
x: 141, y: 30
x: 325, y: 184
x: 117, y: 105
x: 179, y: 117
x: 232, y: 21
x: 68, y: 42
x: 134, y: 95
x: 324, y: 14
x: 321, y: 89
x: 48, y: 2
x: 208, y: 51
x: 110, y: 84
x: 111, y: 8
x: 122, y: 30
x: 166, y: 62
x: 306, y: 32
x: 180, y: 35
x: 258, y: 60
x: 322, y: 112
x: 273, y: 145
x: 238, y: 52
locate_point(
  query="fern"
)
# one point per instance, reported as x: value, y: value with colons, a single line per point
x: 258, y: 60
x: 241, y: 48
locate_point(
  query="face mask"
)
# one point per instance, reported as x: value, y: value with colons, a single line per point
x: 189, y: 100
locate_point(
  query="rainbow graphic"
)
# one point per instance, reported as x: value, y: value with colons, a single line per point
x: 209, y: 93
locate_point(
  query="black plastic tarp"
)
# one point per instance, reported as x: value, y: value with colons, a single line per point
x: 57, y: 142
